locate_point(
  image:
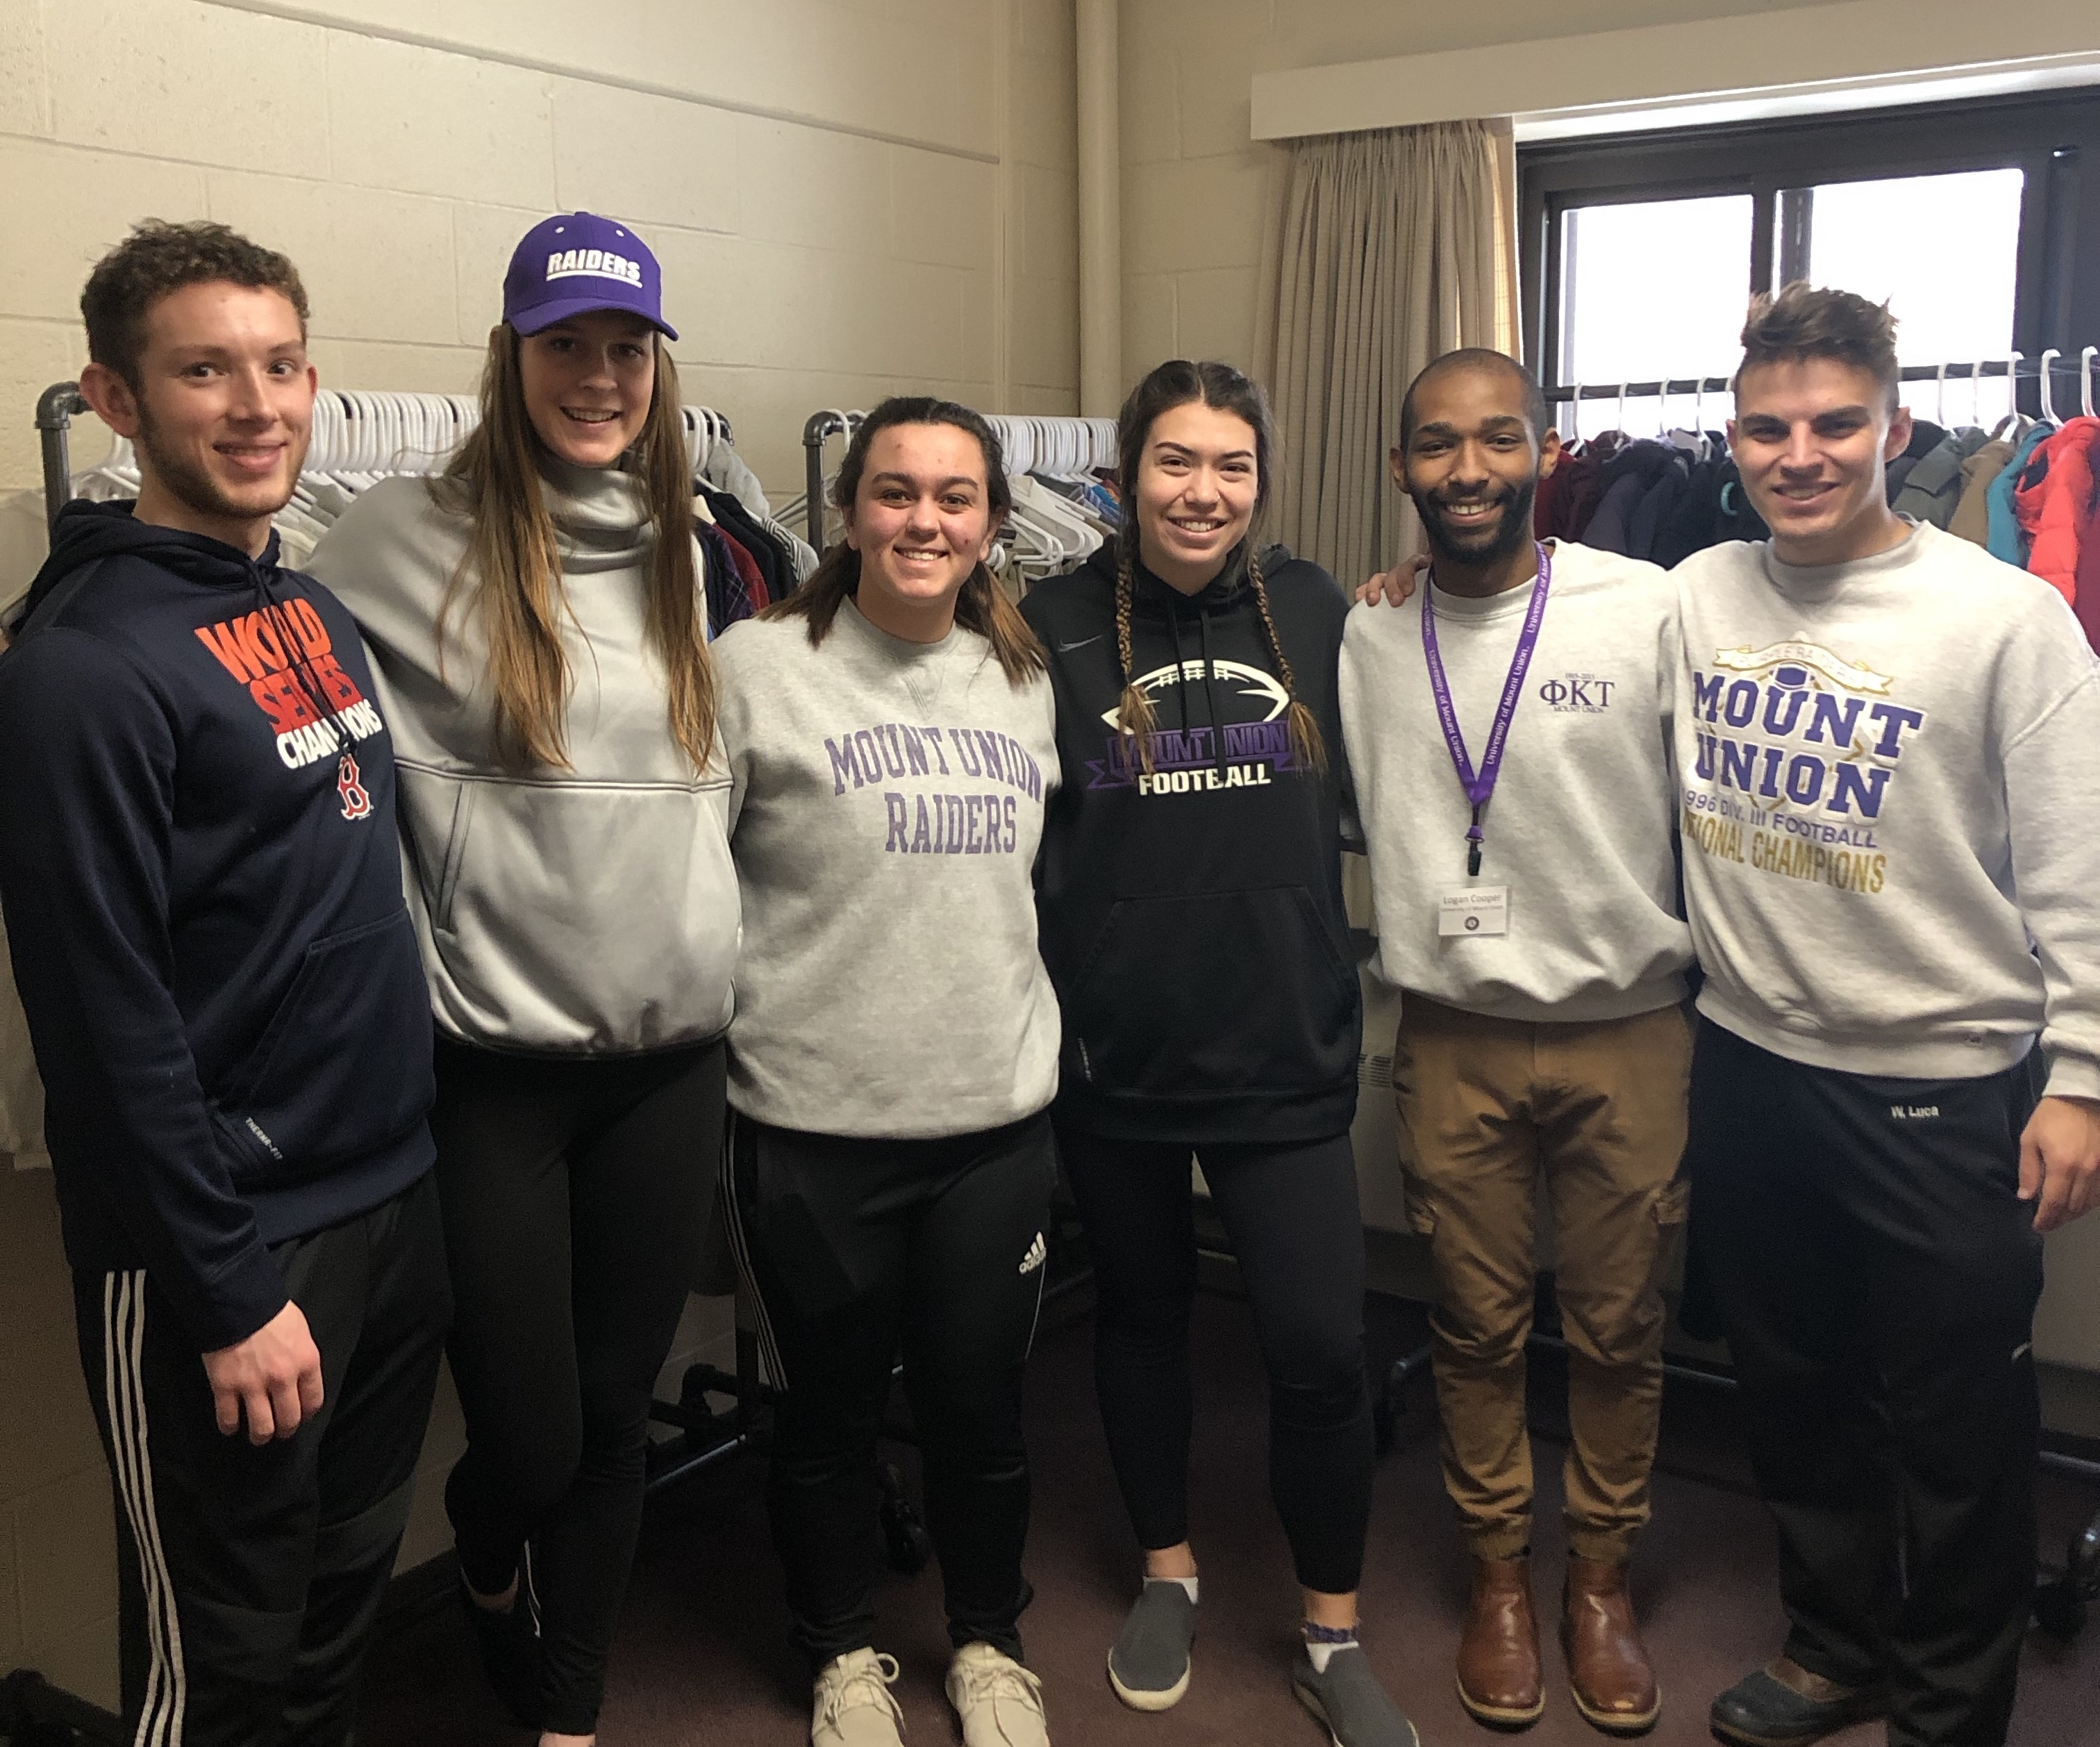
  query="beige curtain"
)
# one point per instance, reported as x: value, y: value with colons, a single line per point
x: 1384, y: 250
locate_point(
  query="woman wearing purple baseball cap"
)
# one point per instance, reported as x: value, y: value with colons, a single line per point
x: 537, y: 621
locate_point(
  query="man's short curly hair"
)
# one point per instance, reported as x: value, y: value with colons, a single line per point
x: 159, y: 258
x: 1803, y: 320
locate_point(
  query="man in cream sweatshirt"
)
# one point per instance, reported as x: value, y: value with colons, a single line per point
x: 1886, y: 742
x: 1508, y: 732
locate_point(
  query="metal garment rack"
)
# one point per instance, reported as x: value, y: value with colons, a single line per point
x: 817, y: 431
x: 2044, y: 370
x: 338, y: 412
x: 33, y: 1713
x: 1059, y: 443
x: 57, y: 408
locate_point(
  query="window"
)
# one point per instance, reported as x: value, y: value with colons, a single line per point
x: 1621, y: 322
x: 1641, y: 252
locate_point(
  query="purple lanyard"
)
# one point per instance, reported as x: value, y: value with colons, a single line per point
x: 1479, y: 788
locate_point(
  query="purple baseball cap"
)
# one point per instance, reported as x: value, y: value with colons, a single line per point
x: 575, y: 262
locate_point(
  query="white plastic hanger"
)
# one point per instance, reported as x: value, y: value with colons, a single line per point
x: 2085, y: 380
x: 2048, y: 396
x: 2014, y: 418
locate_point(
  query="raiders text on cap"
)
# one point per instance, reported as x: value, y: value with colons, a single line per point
x: 600, y: 263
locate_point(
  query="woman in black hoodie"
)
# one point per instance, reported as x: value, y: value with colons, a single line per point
x: 1190, y: 893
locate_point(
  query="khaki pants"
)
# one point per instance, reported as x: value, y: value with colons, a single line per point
x: 1486, y: 1106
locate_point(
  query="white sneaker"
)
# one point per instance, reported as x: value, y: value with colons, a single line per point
x: 1000, y: 1702
x: 853, y: 1706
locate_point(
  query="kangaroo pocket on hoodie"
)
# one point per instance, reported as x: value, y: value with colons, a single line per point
x: 1264, y: 1004
x: 306, y: 1100
x: 576, y: 915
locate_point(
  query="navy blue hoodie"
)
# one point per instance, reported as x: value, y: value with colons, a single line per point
x: 202, y: 888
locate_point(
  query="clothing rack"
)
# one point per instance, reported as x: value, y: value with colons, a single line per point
x: 2043, y: 370
x: 1036, y: 444
x: 818, y: 430
x: 355, y: 431
x: 1030, y: 444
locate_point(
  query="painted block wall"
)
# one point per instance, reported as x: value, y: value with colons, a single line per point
x: 1195, y: 187
x: 849, y: 197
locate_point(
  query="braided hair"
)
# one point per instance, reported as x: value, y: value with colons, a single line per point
x: 1306, y: 745
x: 1135, y: 717
x: 1176, y: 383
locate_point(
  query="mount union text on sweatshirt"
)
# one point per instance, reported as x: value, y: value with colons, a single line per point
x: 1889, y: 775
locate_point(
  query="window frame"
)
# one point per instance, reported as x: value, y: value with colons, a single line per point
x: 2054, y: 138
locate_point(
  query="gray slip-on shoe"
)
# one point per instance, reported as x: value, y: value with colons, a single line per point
x: 1348, y: 1698
x: 1149, y: 1668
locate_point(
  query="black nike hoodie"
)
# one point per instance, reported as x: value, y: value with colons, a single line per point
x: 1191, y: 916
x: 202, y: 887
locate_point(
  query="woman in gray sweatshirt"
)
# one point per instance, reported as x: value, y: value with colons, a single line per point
x: 534, y: 617
x: 891, y: 738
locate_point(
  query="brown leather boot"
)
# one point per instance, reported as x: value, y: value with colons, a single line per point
x: 1498, y: 1680
x: 1613, y: 1679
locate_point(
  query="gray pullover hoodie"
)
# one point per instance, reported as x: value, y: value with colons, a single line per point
x: 586, y: 911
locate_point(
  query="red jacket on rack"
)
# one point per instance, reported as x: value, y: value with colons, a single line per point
x: 2054, y: 503
x: 2086, y: 603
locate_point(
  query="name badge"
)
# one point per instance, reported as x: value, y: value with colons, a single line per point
x: 1473, y: 910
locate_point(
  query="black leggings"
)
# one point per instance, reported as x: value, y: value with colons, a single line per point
x: 575, y: 1193
x: 1292, y: 1216
x: 856, y: 1248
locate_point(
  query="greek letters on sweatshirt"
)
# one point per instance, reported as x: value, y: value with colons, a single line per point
x: 585, y: 910
x: 1192, y: 914
x: 1889, y: 787
x: 888, y: 804
x: 1581, y: 825
x: 202, y: 885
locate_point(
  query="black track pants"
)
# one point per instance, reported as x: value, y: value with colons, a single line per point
x: 1878, y: 1280
x: 575, y: 1197
x: 856, y: 1248
x: 1292, y: 1216
x: 249, y: 1578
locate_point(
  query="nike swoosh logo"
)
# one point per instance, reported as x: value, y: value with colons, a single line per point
x: 1066, y: 649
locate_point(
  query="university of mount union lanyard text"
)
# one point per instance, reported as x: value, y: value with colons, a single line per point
x: 1479, y: 786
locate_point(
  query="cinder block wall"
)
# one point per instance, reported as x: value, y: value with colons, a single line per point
x: 849, y: 197
x: 1194, y: 185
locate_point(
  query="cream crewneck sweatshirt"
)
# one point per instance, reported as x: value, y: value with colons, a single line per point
x: 1890, y: 803
x: 888, y: 806
x: 1580, y: 827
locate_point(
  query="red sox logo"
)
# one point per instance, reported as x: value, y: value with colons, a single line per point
x: 356, y: 804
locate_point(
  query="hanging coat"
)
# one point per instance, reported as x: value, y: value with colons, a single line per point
x: 2053, y: 502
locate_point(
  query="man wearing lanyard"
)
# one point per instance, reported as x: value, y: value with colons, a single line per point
x: 1508, y: 730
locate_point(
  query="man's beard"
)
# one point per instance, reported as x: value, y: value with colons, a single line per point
x: 186, y: 481
x: 1512, y: 533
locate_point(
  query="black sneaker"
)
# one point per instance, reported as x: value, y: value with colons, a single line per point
x: 509, y: 1646
x: 1348, y: 1698
x: 1764, y: 1710
x: 1149, y: 1668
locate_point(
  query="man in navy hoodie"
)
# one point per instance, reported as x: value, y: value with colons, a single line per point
x: 202, y: 890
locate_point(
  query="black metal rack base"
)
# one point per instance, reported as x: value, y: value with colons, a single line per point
x: 33, y: 1713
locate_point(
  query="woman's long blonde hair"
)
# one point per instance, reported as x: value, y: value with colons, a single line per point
x: 512, y: 567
